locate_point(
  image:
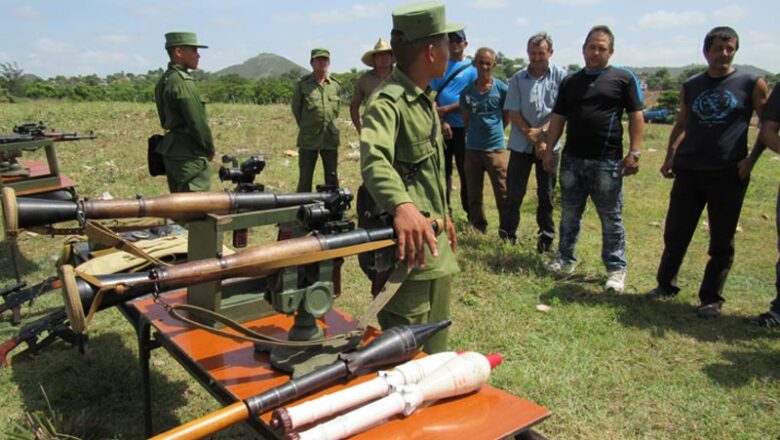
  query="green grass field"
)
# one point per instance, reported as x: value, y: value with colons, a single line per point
x: 607, y: 365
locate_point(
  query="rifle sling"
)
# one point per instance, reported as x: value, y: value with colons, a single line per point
x: 391, y: 286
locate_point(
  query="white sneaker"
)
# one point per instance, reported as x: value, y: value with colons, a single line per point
x: 560, y: 267
x: 616, y: 281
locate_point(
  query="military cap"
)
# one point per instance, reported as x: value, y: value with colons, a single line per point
x: 418, y: 20
x: 319, y: 53
x: 379, y: 47
x: 174, y: 39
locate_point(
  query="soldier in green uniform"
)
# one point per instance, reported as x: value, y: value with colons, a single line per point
x: 315, y: 105
x: 402, y: 158
x: 187, y: 147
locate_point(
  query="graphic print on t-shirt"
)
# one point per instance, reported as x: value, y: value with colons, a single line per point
x: 714, y: 106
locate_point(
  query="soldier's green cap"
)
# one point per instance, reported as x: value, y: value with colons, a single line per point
x: 174, y: 39
x: 418, y: 20
x: 319, y: 53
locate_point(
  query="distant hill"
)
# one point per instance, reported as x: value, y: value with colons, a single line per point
x: 265, y: 65
x: 675, y: 71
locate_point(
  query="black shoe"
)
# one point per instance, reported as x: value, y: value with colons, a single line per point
x: 769, y: 319
x: 711, y: 310
x: 663, y: 292
x: 506, y: 236
x: 543, y: 245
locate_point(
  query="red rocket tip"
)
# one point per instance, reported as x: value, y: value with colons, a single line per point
x: 494, y: 359
x: 460, y: 352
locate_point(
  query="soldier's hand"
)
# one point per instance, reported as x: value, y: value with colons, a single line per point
x: 540, y: 148
x: 451, y: 234
x: 446, y: 130
x: 414, y: 232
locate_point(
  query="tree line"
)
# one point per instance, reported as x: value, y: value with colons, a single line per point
x: 14, y: 84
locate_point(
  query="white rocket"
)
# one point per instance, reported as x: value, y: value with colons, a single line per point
x: 290, y: 418
x: 460, y: 375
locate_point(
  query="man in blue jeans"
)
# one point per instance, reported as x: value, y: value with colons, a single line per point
x: 591, y: 104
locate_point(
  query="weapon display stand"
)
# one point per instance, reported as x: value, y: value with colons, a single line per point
x: 44, y: 178
x: 233, y: 371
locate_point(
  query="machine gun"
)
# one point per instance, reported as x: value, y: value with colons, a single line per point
x: 38, y: 131
x: 54, y: 325
x: 17, y: 294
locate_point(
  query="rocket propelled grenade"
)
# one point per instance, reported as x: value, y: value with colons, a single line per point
x: 290, y: 418
x: 460, y: 375
x: 80, y: 292
x: 395, y: 345
x: 25, y: 212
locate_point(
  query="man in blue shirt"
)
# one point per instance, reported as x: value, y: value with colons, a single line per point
x: 530, y: 100
x: 591, y: 103
x: 460, y: 73
x: 482, y: 105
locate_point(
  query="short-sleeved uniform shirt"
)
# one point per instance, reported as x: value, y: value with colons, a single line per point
x: 366, y: 85
x: 451, y: 93
x: 717, y: 120
x: 402, y: 159
x: 316, y: 109
x: 485, y: 130
x: 593, y: 103
x: 182, y: 115
x: 534, y: 99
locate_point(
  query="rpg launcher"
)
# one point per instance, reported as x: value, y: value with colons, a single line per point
x: 17, y: 294
x: 460, y: 375
x: 25, y: 213
x: 395, y: 345
x: 53, y: 325
x: 86, y: 294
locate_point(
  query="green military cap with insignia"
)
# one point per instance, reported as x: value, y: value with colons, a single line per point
x: 319, y: 53
x: 418, y: 20
x: 175, y: 39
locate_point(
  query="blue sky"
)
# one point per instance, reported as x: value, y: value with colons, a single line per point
x: 74, y: 37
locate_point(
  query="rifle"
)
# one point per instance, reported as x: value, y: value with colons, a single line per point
x: 17, y: 294
x: 28, y: 212
x: 38, y: 131
x: 54, y: 325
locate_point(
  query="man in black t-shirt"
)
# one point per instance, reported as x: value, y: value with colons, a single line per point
x: 769, y: 138
x: 591, y: 104
x: 707, y: 159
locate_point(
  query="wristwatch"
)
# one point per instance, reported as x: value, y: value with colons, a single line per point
x: 637, y: 155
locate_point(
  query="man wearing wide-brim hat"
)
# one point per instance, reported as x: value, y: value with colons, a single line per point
x: 187, y: 146
x: 401, y: 158
x: 381, y: 59
x: 315, y: 105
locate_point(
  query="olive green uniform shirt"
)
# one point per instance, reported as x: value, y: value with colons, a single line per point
x: 316, y: 108
x: 402, y: 159
x: 182, y: 114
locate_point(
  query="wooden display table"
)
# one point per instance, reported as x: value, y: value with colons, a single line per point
x: 41, y: 180
x: 232, y: 371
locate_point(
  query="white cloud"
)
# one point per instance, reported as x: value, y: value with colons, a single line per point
x: 489, y: 4
x: 606, y: 20
x: 734, y: 12
x: 48, y: 45
x: 522, y: 22
x: 157, y: 11
x: 666, y: 19
x: 25, y: 12
x: 575, y: 2
x: 116, y: 38
x: 355, y: 12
